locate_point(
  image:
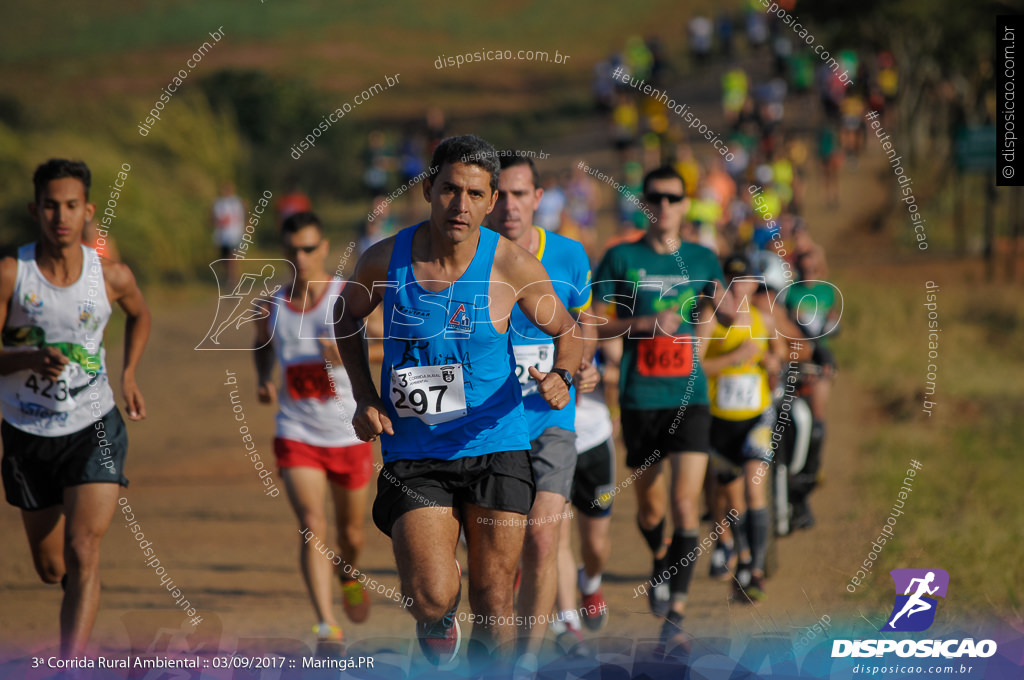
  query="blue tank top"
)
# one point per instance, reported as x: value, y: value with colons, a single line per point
x: 448, y: 377
x: 568, y: 268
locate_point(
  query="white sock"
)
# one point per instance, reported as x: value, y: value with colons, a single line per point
x: 588, y: 586
x: 571, y: 618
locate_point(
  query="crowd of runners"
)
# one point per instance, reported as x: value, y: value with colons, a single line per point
x: 517, y: 357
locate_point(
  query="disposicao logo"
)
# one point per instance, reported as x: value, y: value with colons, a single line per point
x: 915, y: 608
x: 913, y: 611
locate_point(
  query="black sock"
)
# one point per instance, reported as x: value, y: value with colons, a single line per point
x: 683, y: 543
x: 655, y: 537
x: 757, y: 528
x: 739, y: 533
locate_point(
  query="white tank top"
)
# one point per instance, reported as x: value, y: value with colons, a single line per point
x: 316, y: 402
x: 229, y: 213
x: 72, y: 319
x: 593, y: 422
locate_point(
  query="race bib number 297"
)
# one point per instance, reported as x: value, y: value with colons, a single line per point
x: 434, y: 394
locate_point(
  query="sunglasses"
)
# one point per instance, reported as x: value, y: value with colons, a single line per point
x: 655, y: 198
x: 305, y: 249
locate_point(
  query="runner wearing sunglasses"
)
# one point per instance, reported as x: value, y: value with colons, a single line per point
x: 317, y: 450
x: 657, y: 294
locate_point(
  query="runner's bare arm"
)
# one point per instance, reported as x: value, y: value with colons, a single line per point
x: 47, y: 361
x: 745, y: 352
x: 773, y: 358
x: 263, y: 357
x: 721, y: 303
x: 537, y: 299
x: 122, y: 289
x: 358, y: 299
x: 587, y: 377
x: 588, y: 326
x: 374, y: 331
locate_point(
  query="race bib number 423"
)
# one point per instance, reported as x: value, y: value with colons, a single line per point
x: 434, y: 394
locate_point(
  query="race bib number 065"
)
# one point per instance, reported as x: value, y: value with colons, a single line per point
x: 434, y: 394
x: 665, y: 356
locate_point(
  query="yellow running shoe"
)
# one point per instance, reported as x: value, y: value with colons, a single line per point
x: 355, y: 600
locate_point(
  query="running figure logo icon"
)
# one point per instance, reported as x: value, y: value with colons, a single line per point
x: 248, y: 301
x: 915, y: 608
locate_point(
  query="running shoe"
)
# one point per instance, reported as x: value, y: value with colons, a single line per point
x: 440, y: 641
x: 355, y: 600
x: 802, y: 517
x: 330, y: 642
x: 595, y: 609
x: 721, y: 557
x: 571, y: 642
x: 755, y: 589
x: 672, y: 639
x: 525, y: 667
x: 740, y: 582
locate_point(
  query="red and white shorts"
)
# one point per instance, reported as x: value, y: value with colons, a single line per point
x: 348, y: 466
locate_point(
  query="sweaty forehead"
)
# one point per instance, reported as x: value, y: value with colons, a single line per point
x: 516, y: 178
x: 668, y: 185
x: 465, y: 175
x: 306, y: 236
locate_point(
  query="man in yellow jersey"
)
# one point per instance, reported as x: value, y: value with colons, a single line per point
x: 739, y: 361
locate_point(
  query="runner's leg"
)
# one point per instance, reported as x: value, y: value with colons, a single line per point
x: 307, y: 492
x: 350, y: 511
x: 595, y: 543
x: 424, y: 543
x: 45, y: 532
x: 89, y: 509
x: 495, y: 546
x: 540, y: 553
x: 651, y: 498
x: 688, y: 469
x: 566, y: 598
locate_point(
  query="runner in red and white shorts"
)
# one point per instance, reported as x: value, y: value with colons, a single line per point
x: 316, y: 448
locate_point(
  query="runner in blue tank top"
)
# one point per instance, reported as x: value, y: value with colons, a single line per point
x: 552, y: 432
x: 454, y: 436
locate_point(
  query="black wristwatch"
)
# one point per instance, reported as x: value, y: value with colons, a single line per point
x: 565, y: 375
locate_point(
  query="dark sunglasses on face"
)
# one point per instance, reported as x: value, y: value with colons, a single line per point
x: 654, y: 198
x: 305, y: 249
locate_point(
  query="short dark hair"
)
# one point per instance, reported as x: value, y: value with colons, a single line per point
x: 509, y: 159
x: 468, y: 149
x: 664, y: 172
x: 59, y: 168
x: 800, y: 262
x: 299, y: 221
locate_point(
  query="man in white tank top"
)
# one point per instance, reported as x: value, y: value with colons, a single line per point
x: 228, y: 215
x: 316, y: 448
x: 64, y: 440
